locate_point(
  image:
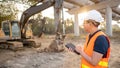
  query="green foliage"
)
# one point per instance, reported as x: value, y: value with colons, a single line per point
x: 36, y: 29
x: 49, y: 26
x: 33, y: 1
x: 115, y: 27
x: 8, y: 17
x: 69, y: 26
x: 7, y: 12
x: 47, y: 29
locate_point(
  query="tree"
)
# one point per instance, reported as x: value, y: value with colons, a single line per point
x: 69, y: 26
x: 7, y: 12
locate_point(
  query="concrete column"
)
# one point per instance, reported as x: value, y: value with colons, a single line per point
x: 109, y: 21
x: 63, y: 23
x: 57, y: 14
x: 76, y: 25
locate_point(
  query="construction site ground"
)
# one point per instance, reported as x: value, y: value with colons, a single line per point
x: 34, y: 58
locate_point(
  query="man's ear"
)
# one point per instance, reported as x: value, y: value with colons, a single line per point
x: 90, y: 23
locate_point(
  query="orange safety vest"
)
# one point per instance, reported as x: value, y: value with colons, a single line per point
x: 88, y: 49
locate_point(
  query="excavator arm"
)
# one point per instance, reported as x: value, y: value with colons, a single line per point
x: 56, y: 44
x: 31, y: 11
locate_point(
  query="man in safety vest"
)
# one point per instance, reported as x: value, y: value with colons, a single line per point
x: 96, y: 51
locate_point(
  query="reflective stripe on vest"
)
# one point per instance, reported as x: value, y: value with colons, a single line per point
x: 85, y: 66
x: 103, y: 63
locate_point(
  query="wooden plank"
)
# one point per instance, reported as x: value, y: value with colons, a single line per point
x: 101, y: 5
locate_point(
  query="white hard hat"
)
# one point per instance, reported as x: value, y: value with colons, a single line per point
x: 94, y: 15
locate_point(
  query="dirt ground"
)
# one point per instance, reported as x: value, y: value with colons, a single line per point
x: 33, y: 58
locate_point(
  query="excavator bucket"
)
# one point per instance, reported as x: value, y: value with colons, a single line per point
x: 57, y: 44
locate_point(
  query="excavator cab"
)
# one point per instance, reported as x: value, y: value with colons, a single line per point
x: 11, y: 30
x: 9, y: 34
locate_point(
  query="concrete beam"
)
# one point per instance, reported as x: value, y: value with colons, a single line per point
x: 101, y: 5
x: 115, y: 11
x: 69, y: 5
x: 115, y: 16
x: 73, y: 2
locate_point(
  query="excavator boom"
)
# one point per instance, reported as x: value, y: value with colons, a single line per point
x: 33, y: 10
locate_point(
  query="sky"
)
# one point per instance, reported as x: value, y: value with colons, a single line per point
x: 50, y: 13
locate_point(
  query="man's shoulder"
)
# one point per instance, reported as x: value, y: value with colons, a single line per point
x: 101, y: 37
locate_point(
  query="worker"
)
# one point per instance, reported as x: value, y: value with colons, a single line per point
x: 96, y: 51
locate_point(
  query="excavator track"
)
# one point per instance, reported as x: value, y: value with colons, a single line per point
x: 15, y: 46
x: 31, y: 43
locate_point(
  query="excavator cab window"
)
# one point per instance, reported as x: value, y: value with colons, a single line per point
x: 6, y: 28
x: 15, y: 29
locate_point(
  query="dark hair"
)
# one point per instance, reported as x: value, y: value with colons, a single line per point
x: 96, y: 24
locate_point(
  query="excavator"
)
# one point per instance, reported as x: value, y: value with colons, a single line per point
x: 15, y: 34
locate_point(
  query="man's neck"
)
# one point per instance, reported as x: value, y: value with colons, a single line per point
x: 93, y: 31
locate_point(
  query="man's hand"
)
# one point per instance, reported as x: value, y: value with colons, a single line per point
x: 71, y: 48
x: 79, y: 49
